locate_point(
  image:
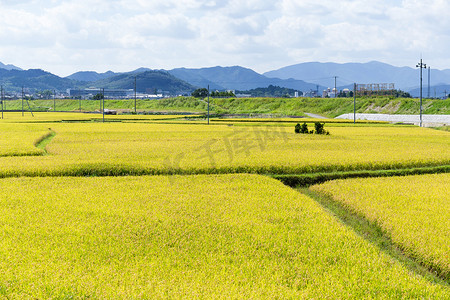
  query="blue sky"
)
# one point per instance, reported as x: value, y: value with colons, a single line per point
x: 65, y: 36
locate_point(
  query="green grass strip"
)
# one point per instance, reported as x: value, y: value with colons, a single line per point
x: 44, y: 141
x: 304, y: 180
x: 374, y: 234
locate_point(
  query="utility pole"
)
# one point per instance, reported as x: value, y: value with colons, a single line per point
x: 28, y: 103
x: 421, y: 65
x: 208, y: 104
x: 335, y: 89
x: 103, y: 98
x: 22, y: 101
x: 54, y: 100
x: 429, y: 70
x: 135, y: 96
x: 354, y: 103
x: 2, y: 99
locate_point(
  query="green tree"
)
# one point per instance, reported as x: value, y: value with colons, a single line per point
x: 200, y: 93
x: 98, y: 96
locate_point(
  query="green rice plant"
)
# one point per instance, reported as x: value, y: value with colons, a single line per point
x: 413, y: 210
x: 216, y: 236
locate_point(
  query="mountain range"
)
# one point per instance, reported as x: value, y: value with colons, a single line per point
x: 9, y: 67
x: 303, y: 77
x: 404, y: 78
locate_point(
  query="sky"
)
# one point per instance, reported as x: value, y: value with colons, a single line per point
x: 66, y: 36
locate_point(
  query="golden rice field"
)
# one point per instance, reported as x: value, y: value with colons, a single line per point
x: 20, y: 139
x: 202, y: 236
x: 147, y: 148
x: 214, y: 235
x: 413, y: 210
x: 39, y: 117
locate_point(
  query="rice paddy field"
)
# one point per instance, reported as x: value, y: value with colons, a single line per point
x: 413, y: 210
x: 113, y: 148
x: 202, y: 236
x: 144, y: 207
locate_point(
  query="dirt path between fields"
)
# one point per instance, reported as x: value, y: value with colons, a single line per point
x: 315, y: 116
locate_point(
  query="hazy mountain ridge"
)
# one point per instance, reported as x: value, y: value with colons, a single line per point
x: 303, y: 77
x: 8, y: 67
x: 34, y: 79
x: 236, y: 78
x: 90, y: 76
x: 404, y: 78
x: 146, y: 82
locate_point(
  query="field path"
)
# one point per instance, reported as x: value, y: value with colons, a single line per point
x: 315, y: 116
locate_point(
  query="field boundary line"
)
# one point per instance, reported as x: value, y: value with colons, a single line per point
x: 43, y: 141
x: 40, y: 143
x: 374, y: 234
x: 290, y: 179
x: 304, y: 180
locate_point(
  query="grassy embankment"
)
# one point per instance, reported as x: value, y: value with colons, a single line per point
x: 275, y: 106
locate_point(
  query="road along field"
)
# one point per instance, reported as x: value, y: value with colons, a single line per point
x: 146, y: 148
x: 203, y: 236
x: 413, y: 210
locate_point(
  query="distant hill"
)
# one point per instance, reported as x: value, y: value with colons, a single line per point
x: 9, y: 67
x: 141, y: 70
x: 146, y: 82
x: 236, y: 78
x: 90, y: 76
x: 196, y: 78
x: 438, y: 91
x: 301, y: 77
x: 34, y: 79
x: 405, y: 78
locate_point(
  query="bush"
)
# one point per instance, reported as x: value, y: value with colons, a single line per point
x: 319, y: 129
x: 304, y: 128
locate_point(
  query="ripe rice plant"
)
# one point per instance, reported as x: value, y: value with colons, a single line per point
x: 16, y: 117
x: 21, y: 139
x: 216, y: 236
x: 413, y: 210
x: 145, y: 148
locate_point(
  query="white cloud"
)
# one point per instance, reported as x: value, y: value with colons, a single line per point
x: 64, y: 36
